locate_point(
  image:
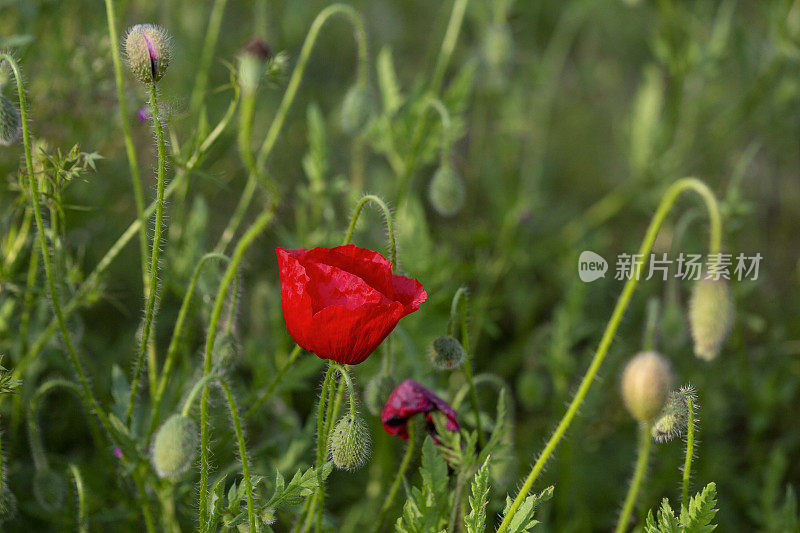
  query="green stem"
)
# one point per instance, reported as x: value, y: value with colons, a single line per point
x: 274, y: 383
x: 198, y: 386
x: 154, y: 257
x: 207, y: 55
x: 687, y: 465
x: 142, y: 491
x: 398, y: 480
x: 448, y: 44
x: 387, y: 215
x: 244, y: 243
x: 176, y: 337
x: 638, y: 477
x: 33, y: 271
x: 237, y: 427
x: 649, y: 342
x: 459, y: 309
x: 715, y: 242
x: 83, y: 525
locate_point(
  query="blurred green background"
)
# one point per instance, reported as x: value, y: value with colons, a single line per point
x: 572, y: 118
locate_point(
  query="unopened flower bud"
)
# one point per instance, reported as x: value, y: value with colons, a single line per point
x: 252, y: 63
x: 49, y: 489
x: 377, y: 391
x: 175, y: 446
x: 357, y: 109
x: 10, y: 123
x: 148, y: 51
x: 674, y: 418
x: 446, y: 353
x: 349, y: 443
x: 646, y: 382
x: 711, y: 312
x: 446, y: 191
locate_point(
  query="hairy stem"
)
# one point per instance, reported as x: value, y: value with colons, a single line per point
x: 638, y: 477
x: 387, y: 215
x: 458, y: 308
x: 207, y: 55
x: 237, y: 427
x: 687, y: 464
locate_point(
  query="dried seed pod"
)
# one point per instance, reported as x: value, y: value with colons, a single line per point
x: 646, y: 382
x: 175, y: 446
x: 446, y: 191
x: 446, y: 353
x: 349, y: 443
x: 711, y: 312
x: 148, y: 51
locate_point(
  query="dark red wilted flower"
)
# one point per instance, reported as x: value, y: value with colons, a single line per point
x: 408, y: 399
x: 340, y: 303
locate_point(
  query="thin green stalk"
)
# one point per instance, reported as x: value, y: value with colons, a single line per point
x: 387, y: 215
x: 651, y: 325
x: 207, y: 55
x: 398, y: 480
x: 30, y: 283
x: 448, y: 44
x: 154, y: 257
x: 130, y: 148
x: 274, y: 383
x: 638, y: 477
x: 687, y: 464
x: 715, y: 243
x: 176, y: 337
x: 244, y: 243
x: 458, y: 309
x: 83, y: 524
x: 141, y: 489
x: 237, y: 428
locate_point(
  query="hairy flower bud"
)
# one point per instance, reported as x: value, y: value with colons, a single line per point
x: 357, y: 109
x: 674, y: 418
x: 446, y: 353
x: 646, y: 382
x: 711, y: 312
x: 446, y: 191
x: 49, y: 489
x: 377, y: 391
x: 252, y: 63
x: 175, y: 446
x: 10, y: 123
x: 148, y: 51
x: 349, y: 443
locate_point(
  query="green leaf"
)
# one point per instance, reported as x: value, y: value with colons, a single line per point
x: 476, y: 519
x: 702, y: 509
x: 303, y: 484
x: 523, y: 519
x: 667, y: 521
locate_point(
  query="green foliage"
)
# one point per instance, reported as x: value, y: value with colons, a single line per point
x: 479, y: 498
x: 698, y: 517
x: 523, y: 519
x: 426, y: 508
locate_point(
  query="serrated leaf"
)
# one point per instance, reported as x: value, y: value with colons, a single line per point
x: 667, y: 521
x: 523, y: 519
x: 476, y: 519
x: 302, y: 484
x: 702, y: 509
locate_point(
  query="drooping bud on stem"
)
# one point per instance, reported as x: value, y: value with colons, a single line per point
x: 446, y: 353
x: 446, y: 191
x: 148, y: 50
x: 646, y: 382
x: 711, y: 313
x: 175, y: 446
x: 10, y: 123
x: 252, y: 63
x: 674, y: 418
x: 349, y: 442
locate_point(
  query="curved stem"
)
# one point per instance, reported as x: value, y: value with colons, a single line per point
x: 271, y: 387
x: 448, y: 44
x: 638, y: 476
x: 207, y: 55
x: 398, y: 480
x: 715, y: 242
x: 34, y: 435
x: 687, y: 465
x: 153, y: 286
x: 237, y: 427
x: 190, y: 398
x: 447, y: 129
x: 387, y: 215
x: 244, y: 243
x: 459, y: 308
x: 83, y: 525
x: 130, y: 149
x: 176, y: 336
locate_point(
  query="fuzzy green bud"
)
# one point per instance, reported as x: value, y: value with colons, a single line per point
x: 349, y: 443
x: 711, y: 313
x: 446, y: 191
x: 646, y: 382
x: 252, y: 64
x: 175, y: 446
x: 357, y: 108
x: 674, y: 418
x: 10, y: 123
x: 148, y: 51
x: 377, y: 391
x: 446, y: 353
x: 49, y: 489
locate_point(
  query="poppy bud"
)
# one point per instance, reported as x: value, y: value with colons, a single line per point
x: 446, y: 353
x: 349, y: 443
x: 148, y: 51
x: 10, y: 124
x: 711, y: 313
x: 376, y: 392
x: 446, y: 191
x: 252, y: 63
x: 175, y: 446
x: 49, y: 489
x: 646, y: 381
x: 674, y: 418
x: 357, y: 109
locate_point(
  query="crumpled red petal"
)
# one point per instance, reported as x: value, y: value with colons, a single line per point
x: 408, y: 399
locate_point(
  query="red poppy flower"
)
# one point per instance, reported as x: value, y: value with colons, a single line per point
x: 340, y: 303
x: 408, y: 399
